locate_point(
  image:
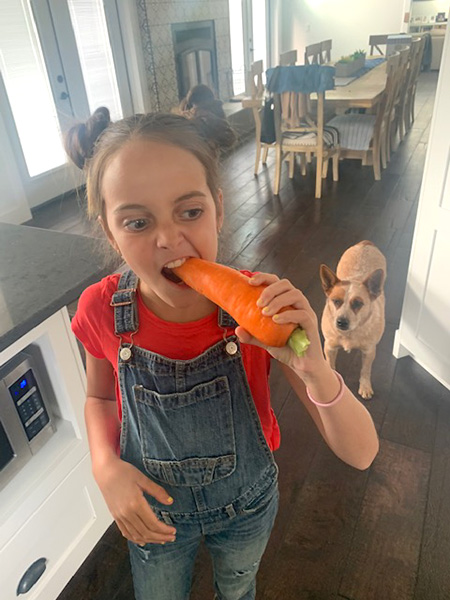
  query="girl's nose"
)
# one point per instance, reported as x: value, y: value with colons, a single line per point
x: 168, y: 235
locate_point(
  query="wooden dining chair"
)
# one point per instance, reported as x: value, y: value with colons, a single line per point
x: 375, y: 41
x: 256, y: 104
x: 288, y: 59
x: 313, y: 54
x: 408, y: 101
x: 362, y: 136
x: 300, y: 129
x: 325, y: 51
x: 393, y: 119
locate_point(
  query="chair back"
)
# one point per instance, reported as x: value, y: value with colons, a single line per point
x: 416, y: 60
x: 288, y: 59
x: 255, y: 80
x: 386, y: 104
x: 313, y: 54
x: 292, y: 88
x: 402, y: 74
x: 375, y: 41
x: 325, y: 51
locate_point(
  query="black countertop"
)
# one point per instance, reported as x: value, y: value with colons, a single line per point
x: 40, y: 272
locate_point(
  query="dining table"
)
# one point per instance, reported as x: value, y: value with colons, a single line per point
x: 363, y: 92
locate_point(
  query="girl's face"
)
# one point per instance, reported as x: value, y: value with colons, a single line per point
x: 158, y: 209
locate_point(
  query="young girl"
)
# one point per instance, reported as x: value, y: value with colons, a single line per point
x: 180, y: 427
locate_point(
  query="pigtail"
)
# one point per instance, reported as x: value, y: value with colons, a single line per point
x: 216, y: 130
x: 80, y: 140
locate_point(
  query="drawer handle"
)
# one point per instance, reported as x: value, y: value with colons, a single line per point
x: 31, y: 575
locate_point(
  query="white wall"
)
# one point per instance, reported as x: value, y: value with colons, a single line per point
x: 347, y: 22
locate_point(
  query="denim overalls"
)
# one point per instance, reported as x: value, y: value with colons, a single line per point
x: 192, y: 427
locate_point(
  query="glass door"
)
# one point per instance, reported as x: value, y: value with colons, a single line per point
x: 248, y: 32
x: 59, y: 61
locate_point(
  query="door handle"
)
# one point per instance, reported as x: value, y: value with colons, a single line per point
x: 64, y: 95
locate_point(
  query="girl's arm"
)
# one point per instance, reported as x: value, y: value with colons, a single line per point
x: 346, y: 426
x: 121, y: 484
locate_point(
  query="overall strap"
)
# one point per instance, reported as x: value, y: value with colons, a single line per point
x: 225, y: 320
x: 125, y: 305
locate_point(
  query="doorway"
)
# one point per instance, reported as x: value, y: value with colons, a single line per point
x: 59, y: 61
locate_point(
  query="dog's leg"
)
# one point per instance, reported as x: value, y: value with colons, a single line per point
x: 365, y: 385
x: 330, y: 354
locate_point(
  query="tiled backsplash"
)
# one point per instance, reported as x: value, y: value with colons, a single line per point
x: 155, y: 20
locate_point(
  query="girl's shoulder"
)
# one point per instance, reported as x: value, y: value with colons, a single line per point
x: 93, y: 319
x: 100, y: 292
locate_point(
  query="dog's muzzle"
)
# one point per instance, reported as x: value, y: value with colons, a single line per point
x: 342, y: 323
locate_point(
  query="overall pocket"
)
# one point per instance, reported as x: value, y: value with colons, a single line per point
x: 187, y: 438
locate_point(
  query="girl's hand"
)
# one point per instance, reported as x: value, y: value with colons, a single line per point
x: 278, y: 294
x: 123, y: 487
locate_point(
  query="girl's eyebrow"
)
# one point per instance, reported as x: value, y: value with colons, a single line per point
x: 193, y: 194
x: 187, y: 196
x: 124, y: 207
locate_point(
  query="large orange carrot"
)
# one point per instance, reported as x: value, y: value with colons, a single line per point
x: 230, y: 290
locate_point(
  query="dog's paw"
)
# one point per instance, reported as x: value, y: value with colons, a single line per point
x: 365, y: 390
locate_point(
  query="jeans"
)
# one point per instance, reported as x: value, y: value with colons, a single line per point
x: 164, y: 572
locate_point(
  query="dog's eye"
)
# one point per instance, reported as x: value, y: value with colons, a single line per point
x: 337, y: 302
x: 356, y: 305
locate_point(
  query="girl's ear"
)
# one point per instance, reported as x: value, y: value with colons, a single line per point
x: 108, y: 234
x: 219, y: 210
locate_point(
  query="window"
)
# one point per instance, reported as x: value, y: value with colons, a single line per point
x: 91, y: 34
x: 248, y: 27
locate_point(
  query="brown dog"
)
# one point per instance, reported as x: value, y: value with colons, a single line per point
x: 353, y: 317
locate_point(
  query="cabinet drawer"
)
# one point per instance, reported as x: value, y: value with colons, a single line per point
x: 63, y: 531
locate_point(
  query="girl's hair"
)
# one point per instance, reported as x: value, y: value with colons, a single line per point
x: 198, y: 95
x: 200, y: 101
x: 93, y: 144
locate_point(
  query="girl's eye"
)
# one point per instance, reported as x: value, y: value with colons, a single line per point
x: 136, y: 224
x: 192, y: 213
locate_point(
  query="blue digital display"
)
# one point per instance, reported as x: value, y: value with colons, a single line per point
x: 22, y: 385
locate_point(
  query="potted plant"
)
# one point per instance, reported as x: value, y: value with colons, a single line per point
x: 351, y: 64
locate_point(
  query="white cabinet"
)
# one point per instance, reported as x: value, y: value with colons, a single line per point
x: 52, y: 508
x: 424, y: 331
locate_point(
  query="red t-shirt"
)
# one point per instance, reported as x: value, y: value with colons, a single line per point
x: 93, y: 325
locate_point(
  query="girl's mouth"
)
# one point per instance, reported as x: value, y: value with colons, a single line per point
x: 169, y: 274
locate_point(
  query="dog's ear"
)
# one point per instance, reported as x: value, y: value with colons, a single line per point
x: 374, y: 283
x: 328, y: 278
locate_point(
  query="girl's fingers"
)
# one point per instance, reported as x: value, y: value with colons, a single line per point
x: 263, y: 279
x: 148, y: 531
x: 305, y: 318
x: 275, y: 289
x: 246, y: 338
x: 291, y: 298
x: 155, y: 490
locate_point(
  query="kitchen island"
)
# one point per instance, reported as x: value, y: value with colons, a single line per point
x: 52, y: 513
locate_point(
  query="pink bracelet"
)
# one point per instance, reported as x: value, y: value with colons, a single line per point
x: 335, y: 400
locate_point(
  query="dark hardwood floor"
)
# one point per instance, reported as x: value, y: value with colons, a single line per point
x: 381, y: 534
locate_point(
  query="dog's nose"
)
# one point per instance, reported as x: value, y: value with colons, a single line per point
x: 342, y: 323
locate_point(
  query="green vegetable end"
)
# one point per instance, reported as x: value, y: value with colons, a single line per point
x: 298, y: 342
